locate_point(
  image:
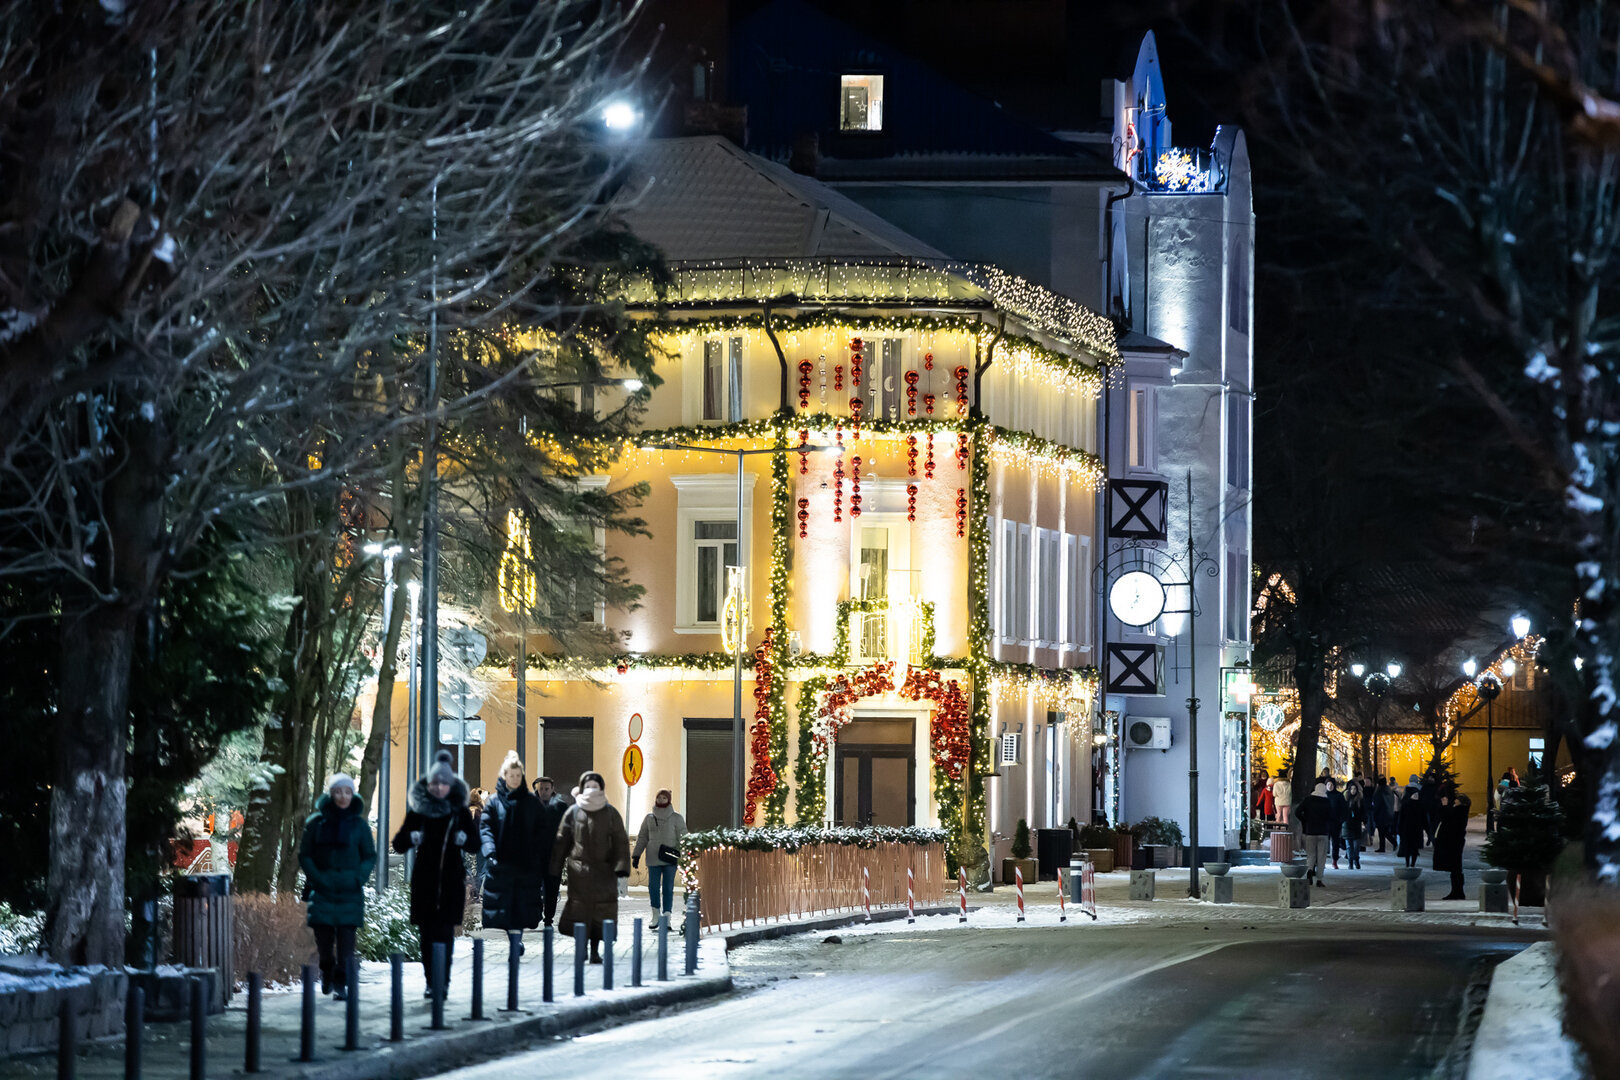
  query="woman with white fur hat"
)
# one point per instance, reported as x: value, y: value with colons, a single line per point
x: 516, y: 851
x: 338, y: 857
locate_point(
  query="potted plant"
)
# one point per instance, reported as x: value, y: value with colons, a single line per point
x: 1020, y: 857
x: 1097, y: 844
x: 1162, y: 838
x: 1526, y: 841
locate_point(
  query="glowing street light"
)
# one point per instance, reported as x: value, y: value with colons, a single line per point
x: 1470, y: 667
x: 620, y: 116
x: 1394, y: 669
x: 1520, y: 625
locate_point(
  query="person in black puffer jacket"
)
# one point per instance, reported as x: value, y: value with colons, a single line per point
x: 439, y: 828
x: 517, y: 854
x: 1318, y: 823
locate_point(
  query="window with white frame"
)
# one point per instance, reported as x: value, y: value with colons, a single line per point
x: 1007, y: 563
x: 571, y: 597
x: 1237, y: 596
x: 1139, y: 428
x: 889, y: 380
x: 1238, y: 293
x: 714, y: 549
x: 722, y: 380
x: 706, y: 545
x: 1022, y: 569
x: 860, y: 102
x: 1077, y: 623
x: 1237, y: 438
x: 1048, y: 589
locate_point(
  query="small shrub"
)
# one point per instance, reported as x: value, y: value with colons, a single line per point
x: 1097, y: 836
x: 1157, y: 830
x: 388, y: 927
x: 1020, y: 844
x: 271, y: 938
x: 19, y: 931
x: 1527, y: 832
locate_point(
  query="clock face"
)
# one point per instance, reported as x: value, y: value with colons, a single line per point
x: 1136, y: 598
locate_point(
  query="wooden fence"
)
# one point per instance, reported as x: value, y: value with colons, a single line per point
x: 742, y: 887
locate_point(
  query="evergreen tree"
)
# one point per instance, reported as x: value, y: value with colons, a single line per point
x: 1528, y: 832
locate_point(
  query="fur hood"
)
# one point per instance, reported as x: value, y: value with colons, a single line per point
x: 421, y: 801
x: 325, y: 805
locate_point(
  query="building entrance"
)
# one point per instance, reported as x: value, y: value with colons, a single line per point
x: 874, y: 773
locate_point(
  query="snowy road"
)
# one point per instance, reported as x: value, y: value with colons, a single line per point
x: 1226, y: 1000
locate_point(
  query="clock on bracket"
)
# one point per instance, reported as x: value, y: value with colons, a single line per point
x: 1136, y: 598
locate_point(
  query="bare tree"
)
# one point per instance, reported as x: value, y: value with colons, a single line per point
x: 221, y: 227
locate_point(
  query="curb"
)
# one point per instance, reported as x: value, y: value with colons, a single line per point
x: 833, y: 922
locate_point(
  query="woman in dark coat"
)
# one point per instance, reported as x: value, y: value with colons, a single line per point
x: 439, y: 827
x: 594, y: 843
x: 1410, y: 822
x: 338, y: 858
x: 516, y: 852
x: 1449, y: 837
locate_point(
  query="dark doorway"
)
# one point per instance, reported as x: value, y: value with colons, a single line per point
x: 706, y: 787
x: 567, y: 748
x: 875, y: 773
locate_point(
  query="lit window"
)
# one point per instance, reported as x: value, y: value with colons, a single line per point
x: 861, y: 103
x: 715, y: 547
x: 722, y: 379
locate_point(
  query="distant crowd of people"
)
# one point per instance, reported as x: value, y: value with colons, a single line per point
x: 520, y: 841
x: 1340, y: 817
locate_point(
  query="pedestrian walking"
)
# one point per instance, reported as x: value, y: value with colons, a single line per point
x: 1341, y: 810
x: 1449, y: 838
x: 338, y: 856
x: 594, y: 845
x: 1316, y: 823
x: 1354, y: 829
x: 1429, y: 796
x: 552, y: 808
x: 439, y: 827
x: 1282, y: 793
x: 1410, y: 823
x: 1383, y: 810
x: 517, y: 855
x: 1265, y: 802
x: 660, y: 839
x: 475, y: 807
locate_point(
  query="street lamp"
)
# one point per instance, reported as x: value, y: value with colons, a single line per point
x: 1377, y: 683
x: 388, y: 553
x: 1489, y: 688
x: 1520, y: 625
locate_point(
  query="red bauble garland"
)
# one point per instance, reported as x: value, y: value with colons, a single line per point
x: 911, y: 502
x: 804, y: 518
x: 928, y: 465
x: 928, y: 404
x: 961, y: 511
x: 911, y: 393
x: 804, y: 452
x: 928, y: 361
x: 855, y: 406
x: 949, y: 729
x: 838, y: 487
x: 961, y: 450
x: 911, y: 455
x: 856, y: 358
x: 855, y: 489
x: 762, y: 778
x: 838, y: 376
x: 961, y: 391
x: 805, y: 369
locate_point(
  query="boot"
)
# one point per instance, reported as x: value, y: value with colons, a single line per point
x: 596, y: 952
x: 326, y: 982
x: 341, y: 993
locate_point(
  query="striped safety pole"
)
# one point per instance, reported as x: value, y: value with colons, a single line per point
x: 911, y: 896
x: 1018, y: 874
x: 961, y: 891
x: 1063, y: 908
x: 866, y: 891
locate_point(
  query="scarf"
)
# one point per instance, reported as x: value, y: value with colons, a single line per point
x: 590, y: 801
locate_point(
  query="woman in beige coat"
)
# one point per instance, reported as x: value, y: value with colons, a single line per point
x: 593, y: 843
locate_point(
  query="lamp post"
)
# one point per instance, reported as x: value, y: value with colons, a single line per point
x: 1377, y: 683
x: 388, y: 553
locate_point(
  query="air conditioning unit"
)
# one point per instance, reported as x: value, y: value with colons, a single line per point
x: 1012, y: 749
x: 1147, y: 733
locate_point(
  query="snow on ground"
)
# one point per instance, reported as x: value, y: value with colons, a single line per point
x: 1521, y: 1033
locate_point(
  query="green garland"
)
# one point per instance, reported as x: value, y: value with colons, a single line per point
x: 705, y: 661
x: 807, y: 779
x: 792, y: 838
x: 970, y: 835
x: 846, y: 608
x: 781, y: 556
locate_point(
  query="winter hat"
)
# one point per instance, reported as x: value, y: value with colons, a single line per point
x: 1321, y: 788
x: 338, y: 779
x: 1412, y: 781
x: 442, y: 771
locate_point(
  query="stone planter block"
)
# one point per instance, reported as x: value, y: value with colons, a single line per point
x: 1142, y: 884
x: 1406, y: 895
x: 1218, y: 869
x: 1493, y: 896
x: 1293, y: 871
x: 1493, y: 876
x: 1293, y: 893
x: 1217, y: 889
x: 1408, y: 873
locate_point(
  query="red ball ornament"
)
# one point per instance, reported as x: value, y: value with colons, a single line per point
x: 838, y: 376
x: 961, y: 511
x: 805, y: 369
x: 911, y: 393
x: 928, y: 361
x: 804, y: 518
x: 928, y: 404
x: 911, y: 502
x: 911, y: 455
x: 928, y: 465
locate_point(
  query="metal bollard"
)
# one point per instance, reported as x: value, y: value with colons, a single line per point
x: 579, y: 959
x: 609, y: 936
x: 477, y: 1010
x: 511, y: 980
x: 439, y: 985
x: 199, y: 1031
x: 548, y: 957
x: 255, y: 1023
x: 396, y: 997
x: 67, y: 1037
x: 635, y: 953
x: 351, y: 1004
x: 692, y: 920
x: 306, y: 1022
x: 134, y: 1031
x: 663, y: 947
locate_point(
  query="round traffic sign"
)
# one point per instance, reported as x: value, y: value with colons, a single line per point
x: 632, y: 764
x: 635, y: 727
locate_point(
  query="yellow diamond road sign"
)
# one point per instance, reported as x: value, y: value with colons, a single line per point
x: 632, y: 764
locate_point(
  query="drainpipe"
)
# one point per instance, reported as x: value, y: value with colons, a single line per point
x: 782, y: 406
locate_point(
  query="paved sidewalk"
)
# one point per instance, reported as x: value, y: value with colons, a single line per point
x: 1522, y: 1031
x: 167, y: 1046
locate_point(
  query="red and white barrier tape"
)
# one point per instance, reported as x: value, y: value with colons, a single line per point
x: 961, y: 891
x: 866, y: 891
x: 1018, y: 874
x: 911, y: 897
x: 1063, y: 907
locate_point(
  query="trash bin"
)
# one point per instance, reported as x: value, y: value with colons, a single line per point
x: 203, y: 929
x: 1052, y: 850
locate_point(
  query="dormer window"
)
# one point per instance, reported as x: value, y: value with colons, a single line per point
x: 860, y: 103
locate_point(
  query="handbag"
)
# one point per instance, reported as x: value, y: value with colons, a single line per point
x: 668, y: 854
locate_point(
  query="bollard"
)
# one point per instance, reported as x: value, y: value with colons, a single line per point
x: 609, y: 936
x: 306, y: 1021
x: 911, y: 896
x: 255, y: 1023
x: 199, y: 1031
x: 579, y: 959
x: 396, y: 997
x: 477, y: 1010
x: 545, y: 975
x: 866, y: 891
x: 663, y: 947
x: 961, y: 892
x: 439, y: 985
x: 134, y: 1030
x: 67, y: 1037
x: 511, y: 980
x: 692, y: 921
x: 1063, y: 909
x: 1018, y: 876
x: 351, y: 1004
x: 635, y: 953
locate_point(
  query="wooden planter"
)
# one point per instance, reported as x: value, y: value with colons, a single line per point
x: 1164, y: 855
x: 1124, y: 849
x: 1102, y: 859
x: 1030, y: 867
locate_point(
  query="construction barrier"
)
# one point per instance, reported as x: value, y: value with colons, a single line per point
x: 751, y: 887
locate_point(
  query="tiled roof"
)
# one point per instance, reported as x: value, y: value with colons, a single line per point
x: 703, y: 198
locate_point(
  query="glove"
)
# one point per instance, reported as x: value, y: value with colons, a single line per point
x: 636, y: 862
x: 416, y: 838
x: 460, y: 838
